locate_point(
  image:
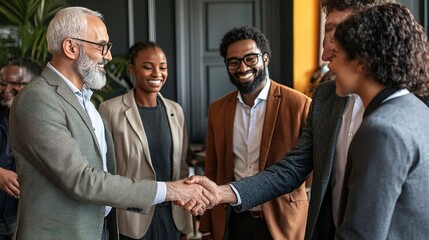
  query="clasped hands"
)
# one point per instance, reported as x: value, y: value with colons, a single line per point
x: 195, y: 194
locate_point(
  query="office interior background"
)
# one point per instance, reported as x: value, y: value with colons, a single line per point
x: 189, y: 31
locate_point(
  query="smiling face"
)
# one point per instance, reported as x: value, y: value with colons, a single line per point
x: 150, y: 69
x: 12, y: 79
x: 247, y: 78
x: 348, y: 73
x: 91, y: 61
x: 334, y: 18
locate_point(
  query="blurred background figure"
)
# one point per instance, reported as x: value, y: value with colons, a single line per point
x: 14, y: 75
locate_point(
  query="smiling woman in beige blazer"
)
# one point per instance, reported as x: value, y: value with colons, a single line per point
x: 150, y: 143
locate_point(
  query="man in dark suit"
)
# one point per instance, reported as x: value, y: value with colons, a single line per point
x: 64, y: 153
x: 322, y: 147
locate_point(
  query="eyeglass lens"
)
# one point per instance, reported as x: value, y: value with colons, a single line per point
x: 250, y: 60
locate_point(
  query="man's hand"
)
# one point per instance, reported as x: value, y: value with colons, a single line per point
x: 197, y: 209
x: 222, y: 194
x: 191, y: 194
x: 9, y: 182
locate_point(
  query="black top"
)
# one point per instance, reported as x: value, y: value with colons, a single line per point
x: 157, y: 128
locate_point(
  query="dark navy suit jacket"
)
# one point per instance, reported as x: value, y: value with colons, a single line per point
x: 315, y: 152
x: 8, y: 204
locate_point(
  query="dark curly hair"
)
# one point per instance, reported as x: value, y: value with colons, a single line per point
x: 138, y: 47
x: 242, y: 33
x: 393, y: 45
x: 355, y: 5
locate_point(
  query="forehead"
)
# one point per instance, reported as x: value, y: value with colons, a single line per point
x: 12, y: 70
x: 336, y: 17
x: 151, y: 54
x: 241, y: 48
x: 96, y: 29
x: 12, y: 73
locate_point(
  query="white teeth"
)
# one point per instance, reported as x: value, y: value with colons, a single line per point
x: 246, y: 76
x: 155, y: 81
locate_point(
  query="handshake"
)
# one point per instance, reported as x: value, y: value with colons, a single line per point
x: 198, y: 193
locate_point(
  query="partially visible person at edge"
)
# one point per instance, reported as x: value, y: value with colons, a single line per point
x: 322, y: 147
x: 151, y: 142
x: 14, y: 75
x: 248, y: 129
x: 382, y: 54
x: 65, y: 155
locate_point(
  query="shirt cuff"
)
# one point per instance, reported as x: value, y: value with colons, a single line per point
x: 237, y: 195
x: 161, y: 193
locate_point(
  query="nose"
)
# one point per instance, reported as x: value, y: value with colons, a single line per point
x: 243, y: 66
x: 156, y: 72
x: 108, y: 56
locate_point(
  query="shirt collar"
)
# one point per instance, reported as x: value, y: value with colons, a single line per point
x: 86, y: 90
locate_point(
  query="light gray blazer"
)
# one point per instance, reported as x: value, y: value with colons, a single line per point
x: 315, y: 152
x: 122, y: 118
x: 386, y: 186
x: 64, y: 190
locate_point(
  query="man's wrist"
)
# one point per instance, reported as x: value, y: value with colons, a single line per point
x: 227, y: 194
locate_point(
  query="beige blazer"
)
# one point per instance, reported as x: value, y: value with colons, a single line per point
x: 122, y: 118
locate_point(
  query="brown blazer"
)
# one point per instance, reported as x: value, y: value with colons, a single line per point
x: 285, y: 117
x: 122, y: 118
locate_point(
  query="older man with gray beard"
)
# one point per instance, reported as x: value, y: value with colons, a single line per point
x: 66, y: 164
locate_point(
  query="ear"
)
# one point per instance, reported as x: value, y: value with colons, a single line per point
x: 266, y: 59
x: 70, y: 48
x: 361, y: 64
x: 131, y: 69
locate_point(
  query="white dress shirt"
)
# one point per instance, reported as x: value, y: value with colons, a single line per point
x: 350, y: 122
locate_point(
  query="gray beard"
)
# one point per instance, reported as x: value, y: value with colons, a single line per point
x: 89, y: 71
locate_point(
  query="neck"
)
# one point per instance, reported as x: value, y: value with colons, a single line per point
x: 68, y: 71
x: 146, y: 100
x: 369, y: 91
x: 249, y: 98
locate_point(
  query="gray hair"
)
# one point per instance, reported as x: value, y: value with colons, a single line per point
x: 68, y: 22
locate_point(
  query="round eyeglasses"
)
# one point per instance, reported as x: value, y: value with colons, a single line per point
x: 250, y: 60
x: 105, y: 46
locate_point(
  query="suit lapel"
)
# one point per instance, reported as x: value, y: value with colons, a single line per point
x: 69, y: 96
x: 271, y: 112
x: 133, y: 117
x: 229, y: 129
x: 335, y: 124
x: 175, y: 136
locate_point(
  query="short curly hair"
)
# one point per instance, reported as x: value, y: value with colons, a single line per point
x: 355, y: 5
x: 393, y: 45
x: 243, y: 33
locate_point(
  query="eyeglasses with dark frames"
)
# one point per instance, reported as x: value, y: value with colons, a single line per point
x: 250, y: 60
x: 105, y: 46
x: 15, y: 84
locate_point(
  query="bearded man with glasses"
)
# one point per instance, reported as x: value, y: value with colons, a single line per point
x: 247, y: 130
x: 65, y: 155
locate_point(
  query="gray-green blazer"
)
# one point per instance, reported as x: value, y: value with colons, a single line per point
x: 64, y: 190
